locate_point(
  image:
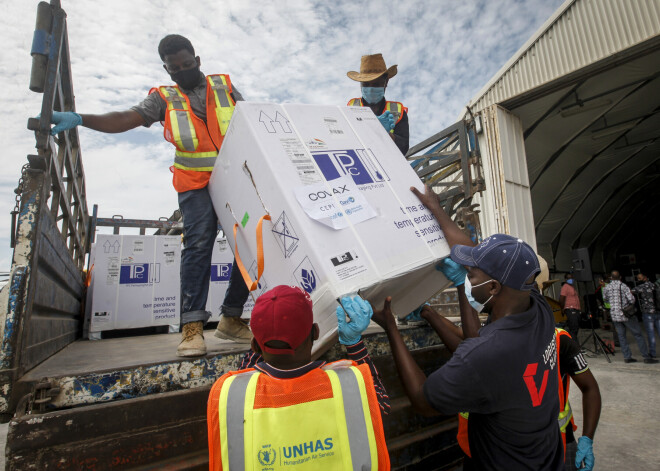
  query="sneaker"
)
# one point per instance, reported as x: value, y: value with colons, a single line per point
x: 233, y: 328
x: 192, y: 340
x: 414, y: 318
x: 629, y: 360
x: 650, y: 360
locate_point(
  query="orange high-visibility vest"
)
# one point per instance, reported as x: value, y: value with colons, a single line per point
x: 394, y: 107
x: 197, y: 143
x: 565, y: 411
x: 328, y: 419
x: 462, y: 434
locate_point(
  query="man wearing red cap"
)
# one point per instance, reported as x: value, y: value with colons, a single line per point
x: 294, y: 413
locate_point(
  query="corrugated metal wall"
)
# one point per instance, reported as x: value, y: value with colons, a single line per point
x: 506, y: 205
x: 585, y: 32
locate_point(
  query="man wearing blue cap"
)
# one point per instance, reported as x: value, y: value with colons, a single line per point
x: 506, y: 378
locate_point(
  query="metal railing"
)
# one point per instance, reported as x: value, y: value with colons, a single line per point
x: 449, y: 163
x: 60, y: 157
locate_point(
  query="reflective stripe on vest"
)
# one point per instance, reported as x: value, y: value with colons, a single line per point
x: 565, y: 417
x: 355, y: 442
x: 224, y: 107
x: 183, y: 129
x: 196, y: 142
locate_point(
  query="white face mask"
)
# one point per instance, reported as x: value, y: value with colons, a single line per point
x: 476, y: 305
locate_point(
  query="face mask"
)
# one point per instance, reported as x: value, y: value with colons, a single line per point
x: 187, y: 78
x: 373, y: 95
x: 570, y: 281
x: 476, y: 305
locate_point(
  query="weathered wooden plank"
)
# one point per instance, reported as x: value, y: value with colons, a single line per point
x: 52, y: 297
x: 56, y: 256
x: 116, y: 436
x: 47, y: 335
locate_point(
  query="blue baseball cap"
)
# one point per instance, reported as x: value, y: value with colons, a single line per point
x: 507, y: 259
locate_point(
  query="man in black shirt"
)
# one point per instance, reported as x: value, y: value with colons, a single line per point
x: 506, y: 378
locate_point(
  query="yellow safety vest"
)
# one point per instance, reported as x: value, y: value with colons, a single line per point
x: 197, y: 143
x: 332, y: 433
x: 393, y: 107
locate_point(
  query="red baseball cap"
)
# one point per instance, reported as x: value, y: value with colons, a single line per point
x: 284, y: 313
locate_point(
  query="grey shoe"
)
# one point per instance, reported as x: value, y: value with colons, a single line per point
x: 192, y: 340
x: 232, y: 328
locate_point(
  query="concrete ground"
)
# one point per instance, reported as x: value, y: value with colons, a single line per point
x: 627, y: 434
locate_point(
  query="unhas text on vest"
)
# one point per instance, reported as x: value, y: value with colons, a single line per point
x: 301, y: 452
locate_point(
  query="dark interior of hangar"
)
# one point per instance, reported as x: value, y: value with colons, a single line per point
x: 592, y: 142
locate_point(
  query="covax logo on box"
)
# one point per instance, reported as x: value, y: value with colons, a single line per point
x: 360, y: 164
x: 139, y: 273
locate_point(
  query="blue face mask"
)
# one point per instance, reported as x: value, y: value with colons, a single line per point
x: 476, y: 305
x: 569, y: 281
x: 373, y: 95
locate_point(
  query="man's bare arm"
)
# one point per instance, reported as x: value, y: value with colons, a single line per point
x: 453, y: 233
x: 114, y: 122
x: 591, y: 402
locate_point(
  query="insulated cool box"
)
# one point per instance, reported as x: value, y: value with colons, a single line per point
x: 135, y: 281
x: 343, y: 218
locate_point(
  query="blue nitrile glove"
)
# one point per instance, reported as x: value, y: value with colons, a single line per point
x: 64, y: 120
x: 585, y: 454
x: 452, y: 270
x: 387, y: 120
x: 360, y: 312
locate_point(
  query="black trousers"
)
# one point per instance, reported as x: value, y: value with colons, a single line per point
x: 573, y: 322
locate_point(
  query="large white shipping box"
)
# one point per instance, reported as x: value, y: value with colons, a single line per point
x: 221, y: 264
x: 135, y: 282
x: 343, y: 218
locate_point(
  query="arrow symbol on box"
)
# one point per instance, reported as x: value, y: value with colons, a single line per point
x: 286, y: 127
x: 267, y: 122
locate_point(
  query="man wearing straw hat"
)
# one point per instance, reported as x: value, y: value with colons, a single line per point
x: 373, y: 78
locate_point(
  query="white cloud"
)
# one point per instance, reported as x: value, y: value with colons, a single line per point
x: 285, y: 51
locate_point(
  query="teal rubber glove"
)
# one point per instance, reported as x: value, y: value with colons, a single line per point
x: 453, y: 271
x: 585, y: 454
x: 64, y: 120
x: 360, y: 312
x: 387, y: 120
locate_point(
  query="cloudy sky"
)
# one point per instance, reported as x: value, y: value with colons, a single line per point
x: 294, y: 51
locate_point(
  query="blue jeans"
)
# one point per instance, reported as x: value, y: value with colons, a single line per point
x: 636, y: 330
x: 200, y: 228
x: 651, y: 320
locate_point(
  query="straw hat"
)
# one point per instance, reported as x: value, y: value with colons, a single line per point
x: 372, y: 67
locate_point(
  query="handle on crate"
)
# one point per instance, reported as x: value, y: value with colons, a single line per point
x: 249, y: 282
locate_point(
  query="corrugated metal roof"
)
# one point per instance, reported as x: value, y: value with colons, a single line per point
x: 580, y: 33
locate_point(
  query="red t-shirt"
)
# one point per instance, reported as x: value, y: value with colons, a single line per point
x: 572, y: 298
